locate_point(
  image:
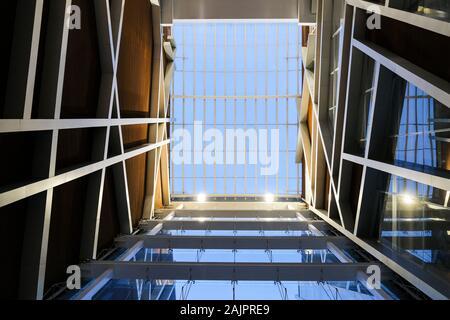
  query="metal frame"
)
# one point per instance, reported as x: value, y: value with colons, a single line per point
x: 109, y: 20
x: 337, y: 163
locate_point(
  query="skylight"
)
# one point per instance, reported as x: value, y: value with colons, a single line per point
x: 234, y: 108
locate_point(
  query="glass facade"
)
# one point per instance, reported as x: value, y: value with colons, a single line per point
x: 419, y: 130
x: 243, y: 79
x: 336, y: 43
x: 416, y: 220
x: 360, y: 105
x: 228, y: 290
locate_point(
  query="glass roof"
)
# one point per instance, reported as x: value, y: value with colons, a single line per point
x: 234, y: 108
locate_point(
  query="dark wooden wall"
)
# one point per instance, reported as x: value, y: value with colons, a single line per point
x: 134, y: 82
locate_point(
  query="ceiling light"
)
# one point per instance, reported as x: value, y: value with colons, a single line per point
x: 269, y: 197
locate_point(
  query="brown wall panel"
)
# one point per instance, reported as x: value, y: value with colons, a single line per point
x: 17, y: 167
x: 65, y: 230
x: 7, y: 18
x: 12, y: 235
x: 134, y: 136
x: 135, y: 63
x: 134, y: 85
x: 83, y: 70
x: 109, y: 223
x: 136, y: 171
x: 74, y: 148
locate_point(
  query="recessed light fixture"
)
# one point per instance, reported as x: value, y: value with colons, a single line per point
x: 269, y: 197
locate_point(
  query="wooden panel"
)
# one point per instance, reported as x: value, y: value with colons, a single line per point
x: 7, y: 18
x: 65, y: 230
x: 136, y: 169
x: 74, y: 148
x: 17, y: 167
x: 12, y: 234
x: 134, y: 136
x: 134, y: 85
x: 134, y: 74
x: 83, y: 70
x: 109, y: 223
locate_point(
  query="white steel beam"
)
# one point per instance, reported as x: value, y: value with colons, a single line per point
x: 235, y: 225
x: 234, y: 242
x: 23, y: 192
x: 228, y: 271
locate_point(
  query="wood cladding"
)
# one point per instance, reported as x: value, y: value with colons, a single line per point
x: 135, y: 62
x: 65, y: 229
x: 83, y: 69
x: 109, y: 222
x: 7, y: 19
x: 134, y: 83
x: 136, y: 170
x: 74, y: 148
x: 18, y: 165
x: 12, y: 234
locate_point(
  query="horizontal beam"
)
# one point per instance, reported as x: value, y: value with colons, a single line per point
x: 26, y: 191
x: 268, y: 214
x: 417, y: 176
x: 88, y: 292
x: 238, y: 242
x: 235, y: 225
x: 228, y: 271
x: 8, y: 125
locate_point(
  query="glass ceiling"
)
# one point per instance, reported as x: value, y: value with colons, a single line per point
x: 234, y: 113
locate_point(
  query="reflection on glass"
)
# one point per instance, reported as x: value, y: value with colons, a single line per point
x: 338, y: 12
x: 235, y: 256
x: 140, y: 289
x: 416, y: 221
x: 360, y: 105
x: 437, y: 9
x: 420, y: 137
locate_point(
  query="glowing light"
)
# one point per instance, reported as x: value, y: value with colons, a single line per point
x: 408, y: 199
x: 201, y: 197
x: 269, y: 197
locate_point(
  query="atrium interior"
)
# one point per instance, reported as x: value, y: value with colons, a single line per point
x: 225, y: 150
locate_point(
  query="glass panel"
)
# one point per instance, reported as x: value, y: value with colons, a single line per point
x: 420, y: 134
x: 362, y: 81
x: 416, y: 221
x: 246, y: 70
x: 127, y: 289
